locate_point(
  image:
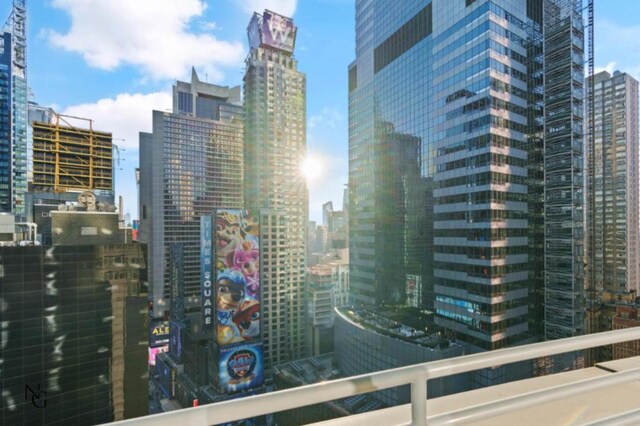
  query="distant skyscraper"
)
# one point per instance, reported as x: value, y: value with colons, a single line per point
x: 190, y: 165
x: 13, y: 112
x: 449, y: 112
x: 612, y: 197
x: 275, y: 145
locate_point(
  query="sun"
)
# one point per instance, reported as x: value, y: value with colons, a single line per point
x: 311, y: 168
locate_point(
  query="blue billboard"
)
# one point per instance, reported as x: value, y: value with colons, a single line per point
x: 175, y: 341
x: 241, y: 367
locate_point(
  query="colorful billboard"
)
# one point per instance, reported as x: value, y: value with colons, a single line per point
x: 241, y: 367
x: 153, y: 352
x: 167, y: 376
x: 237, y: 285
x: 158, y: 332
x: 278, y: 31
x: 206, y: 272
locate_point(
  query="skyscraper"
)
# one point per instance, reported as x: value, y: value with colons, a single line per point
x: 458, y: 145
x: 612, y: 197
x: 275, y: 145
x: 190, y: 165
x: 13, y: 112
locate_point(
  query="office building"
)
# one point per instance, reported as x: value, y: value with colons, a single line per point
x: 13, y: 111
x: 191, y: 164
x: 275, y: 145
x: 612, y: 187
x: 458, y: 149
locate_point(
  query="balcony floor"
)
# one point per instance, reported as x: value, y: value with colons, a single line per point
x: 584, y: 408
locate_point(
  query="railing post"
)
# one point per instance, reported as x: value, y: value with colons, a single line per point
x: 419, y: 402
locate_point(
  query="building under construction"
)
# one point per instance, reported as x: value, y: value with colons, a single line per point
x: 71, y: 158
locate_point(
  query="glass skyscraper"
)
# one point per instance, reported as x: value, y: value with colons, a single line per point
x: 275, y: 145
x: 451, y: 159
x: 191, y: 164
x: 13, y: 112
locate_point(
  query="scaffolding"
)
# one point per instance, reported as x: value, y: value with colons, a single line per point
x: 69, y: 158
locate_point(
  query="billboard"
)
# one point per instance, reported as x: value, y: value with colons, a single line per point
x: 237, y: 284
x: 241, y: 367
x: 278, y: 31
x: 158, y: 332
x: 167, y: 376
x: 175, y: 342
x: 153, y: 352
x: 206, y: 272
x: 413, y: 288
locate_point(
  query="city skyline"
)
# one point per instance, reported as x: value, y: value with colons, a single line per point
x: 63, y: 73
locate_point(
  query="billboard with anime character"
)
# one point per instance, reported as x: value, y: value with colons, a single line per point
x: 237, y: 272
x: 241, y: 367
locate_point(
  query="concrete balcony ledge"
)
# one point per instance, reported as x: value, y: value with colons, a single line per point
x: 591, y: 407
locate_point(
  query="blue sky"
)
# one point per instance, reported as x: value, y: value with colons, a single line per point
x: 115, y: 60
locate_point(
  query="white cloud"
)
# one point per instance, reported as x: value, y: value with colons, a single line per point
x: 283, y: 7
x: 125, y: 115
x: 150, y: 34
x: 610, y: 68
x: 328, y: 117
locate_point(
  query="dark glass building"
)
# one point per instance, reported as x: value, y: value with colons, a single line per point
x: 73, y: 318
x: 465, y: 122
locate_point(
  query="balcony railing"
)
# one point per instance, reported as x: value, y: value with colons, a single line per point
x: 417, y: 376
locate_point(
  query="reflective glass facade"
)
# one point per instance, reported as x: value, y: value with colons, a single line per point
x: 275, y: 145
x: 13, y: 113
x: 446, y: 111
x: 72, y: 321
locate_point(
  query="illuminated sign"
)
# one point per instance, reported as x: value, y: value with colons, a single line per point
x: 158, y: 333
x: 237, y: 283
x: 175, y: 342
x: 241, y: 367
x: 271, y: 30
x: 206, y: 272
x: 153, y: 353
x: 278, y: 31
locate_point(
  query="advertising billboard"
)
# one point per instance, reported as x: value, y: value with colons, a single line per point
x: 153, y: 353
x: 167, y: 376
x: 206, y: 272
x: 241, y: 367
x: 237, y: 284
x: 413, y: 287
x: 175, y: 341
x: 158, y: 332
x: 278, y: 31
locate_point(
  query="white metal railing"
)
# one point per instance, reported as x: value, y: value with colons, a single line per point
x: 417, y: 376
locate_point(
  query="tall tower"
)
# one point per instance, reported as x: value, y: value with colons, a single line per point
x: 465, y: 133
x: 191, y: 164
x: 13, y: 112
x: 613, y: 195
x: 275, y: 144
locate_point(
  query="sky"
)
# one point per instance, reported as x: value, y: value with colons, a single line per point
x: 114, y: 61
